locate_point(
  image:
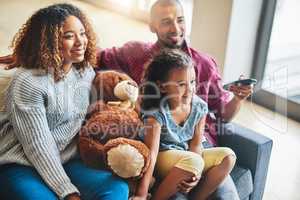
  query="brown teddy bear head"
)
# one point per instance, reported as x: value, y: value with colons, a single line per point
x: 108, y: 119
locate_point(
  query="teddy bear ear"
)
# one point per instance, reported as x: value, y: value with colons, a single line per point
x: 103, y: 85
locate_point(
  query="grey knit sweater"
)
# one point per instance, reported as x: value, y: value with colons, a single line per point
x: 41, y: 121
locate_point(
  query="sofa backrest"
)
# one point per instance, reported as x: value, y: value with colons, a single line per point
x: 5, y: 78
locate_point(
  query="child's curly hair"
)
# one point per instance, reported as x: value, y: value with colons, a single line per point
x: 38, y: 43
x: 157, y: 70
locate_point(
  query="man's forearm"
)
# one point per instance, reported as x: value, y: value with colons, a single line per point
x: 231, y: 109
x: 8, y: 59
x: 241, y: 93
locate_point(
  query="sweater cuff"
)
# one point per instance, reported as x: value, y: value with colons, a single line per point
x: 66, y: 189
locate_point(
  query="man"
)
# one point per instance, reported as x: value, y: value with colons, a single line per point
x: 168, y: 23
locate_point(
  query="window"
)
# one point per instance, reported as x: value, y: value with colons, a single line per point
x: 277, y: 60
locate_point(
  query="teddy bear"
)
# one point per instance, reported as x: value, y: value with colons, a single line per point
x: 108, y: 137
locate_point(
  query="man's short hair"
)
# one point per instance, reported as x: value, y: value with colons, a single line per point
x: 163, y: 3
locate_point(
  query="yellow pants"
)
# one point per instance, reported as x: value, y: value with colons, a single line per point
x: 190, y: 161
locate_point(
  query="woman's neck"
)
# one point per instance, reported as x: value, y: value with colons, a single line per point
x: 67, y: 67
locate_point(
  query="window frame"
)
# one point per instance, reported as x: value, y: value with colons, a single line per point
x: 263, y: 97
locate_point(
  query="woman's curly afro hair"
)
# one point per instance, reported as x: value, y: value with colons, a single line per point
x: 38, y: 43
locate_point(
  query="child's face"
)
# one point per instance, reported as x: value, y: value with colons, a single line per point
x: 180, y: 86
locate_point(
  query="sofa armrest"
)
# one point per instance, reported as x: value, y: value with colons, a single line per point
x: 253, y: 151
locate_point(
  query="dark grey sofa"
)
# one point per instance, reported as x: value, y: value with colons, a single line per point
x: 253, y: 152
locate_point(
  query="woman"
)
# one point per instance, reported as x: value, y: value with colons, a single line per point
x: 45, y: 106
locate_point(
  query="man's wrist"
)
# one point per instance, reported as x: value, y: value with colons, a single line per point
x: 238, y: 99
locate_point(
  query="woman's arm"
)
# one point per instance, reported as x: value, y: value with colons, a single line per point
x: 195, y: 144
x: 152, y: 137
x: 29, y: 120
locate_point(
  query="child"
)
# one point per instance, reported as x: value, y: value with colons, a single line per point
x: 174, y: 123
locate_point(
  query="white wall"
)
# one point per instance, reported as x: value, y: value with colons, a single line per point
x: 210, y: 27
x: 226, y: 29
x: 242, y: 37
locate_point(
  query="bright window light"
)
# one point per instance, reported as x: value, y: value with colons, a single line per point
x: 124, y: 3
x: 142, y: 4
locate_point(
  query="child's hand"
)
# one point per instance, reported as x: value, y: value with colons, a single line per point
x: 137, y: 198
x: 140, y: 197
x: 187, y: 185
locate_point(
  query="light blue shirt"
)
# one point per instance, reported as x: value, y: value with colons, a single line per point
x: 174, y: 136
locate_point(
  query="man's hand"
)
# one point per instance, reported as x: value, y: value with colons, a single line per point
x: 187, y: 185
x: 6, y: 61
x: 243, y: 91
x: 4, y: 66
x: 73, y: 196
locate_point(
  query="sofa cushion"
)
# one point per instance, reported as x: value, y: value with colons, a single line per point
x: 242, y: 179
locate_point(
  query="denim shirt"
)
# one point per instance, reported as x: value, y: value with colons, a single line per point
x: 174, y: 136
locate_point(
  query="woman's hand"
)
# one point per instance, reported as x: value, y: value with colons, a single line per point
x: 187, y: 185
x: 73, y: 196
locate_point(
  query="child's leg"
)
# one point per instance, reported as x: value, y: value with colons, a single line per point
x: 168, y: 186
x: 176, y: 166
x: 219, y: 162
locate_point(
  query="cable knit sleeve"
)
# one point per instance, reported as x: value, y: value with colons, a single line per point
x: 28, y: 116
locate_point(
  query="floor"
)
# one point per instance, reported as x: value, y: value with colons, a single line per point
x: 112, y: 29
